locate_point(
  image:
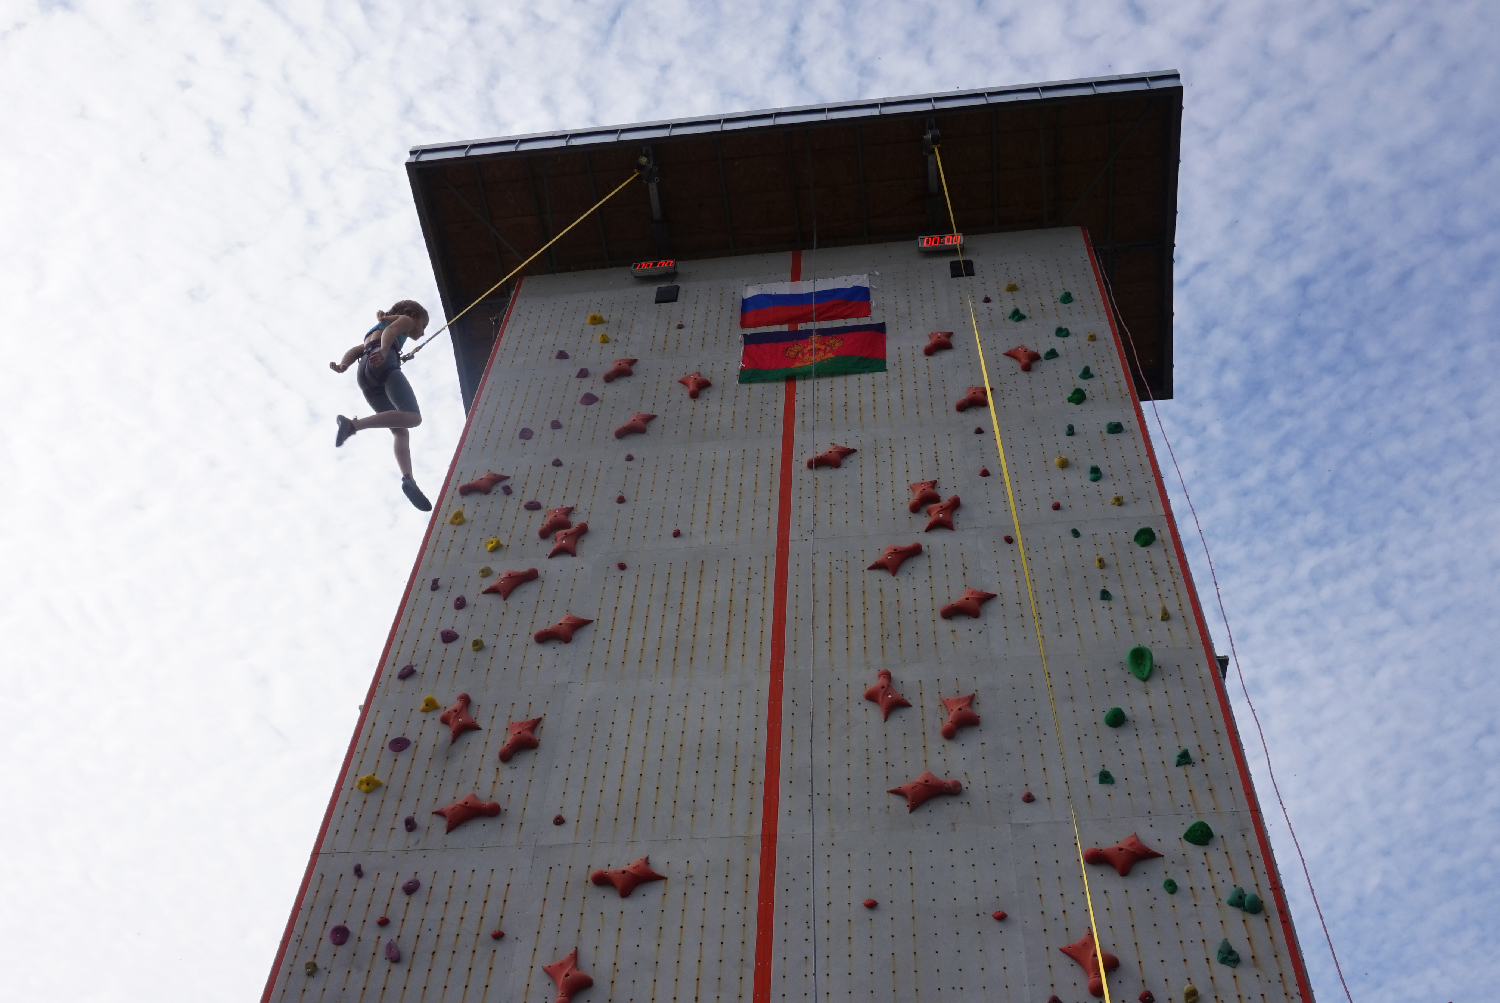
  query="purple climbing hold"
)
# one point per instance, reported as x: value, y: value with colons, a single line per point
x: 629, y: 457
x: 339, y: 935
x: 561, y: 354
x: 527, y: 433
x: 449, y: 636
x: 392, y: 952
x: 460, y: 602
x: 556, y: 423
x: 583, y: 374
x: 435, y: 585
x: 410, y: 822
x: 588, y: 399
x: 505, y: 488
x: 407, y: 671
x: 399, y: 744
x: 532, y: 505
x: 556, y: 462
x: 410, y: 886
x: 359, y: 871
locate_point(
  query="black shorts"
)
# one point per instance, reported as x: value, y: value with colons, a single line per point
x: 393, y: 393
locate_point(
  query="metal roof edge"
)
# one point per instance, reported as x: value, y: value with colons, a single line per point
x: 803, y: 115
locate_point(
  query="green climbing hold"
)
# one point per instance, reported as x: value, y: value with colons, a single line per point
x: 1236, y: 898
x: 1085, y: 373
x: 1198, y: 834
x: 1069, y: 431
x: 1105, y: 777
x: 1114, y: 717
x: 1066, y: 297
x: 1077, y: 396
x: 1075, y: 532
x: 1050, y: 353
x: 1170, y: 886
x: 1140, y: 662
x: 1184, y: 758
x: 1253, y: 904
x: 1145, y: 536
x: 1104, y: 594
x: 1227, y: 954
x: 1114, y: 428
x: 1095, y: 473
x: 1016, y: 314
x: 1063, y: 332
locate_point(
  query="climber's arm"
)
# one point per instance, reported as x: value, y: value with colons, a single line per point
x: 350, y: 357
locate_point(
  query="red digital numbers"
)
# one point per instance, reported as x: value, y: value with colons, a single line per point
x: 662, y: 265
x: 945, y: 240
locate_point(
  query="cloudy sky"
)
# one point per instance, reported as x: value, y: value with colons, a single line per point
x: 203, y: 203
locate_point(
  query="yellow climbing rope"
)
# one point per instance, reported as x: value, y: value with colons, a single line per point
x: 587, y: 213
x: 1036, y: 620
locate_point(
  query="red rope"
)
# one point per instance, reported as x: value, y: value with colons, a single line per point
x: 1213, y: 575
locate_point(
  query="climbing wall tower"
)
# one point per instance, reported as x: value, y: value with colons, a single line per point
x: 711, y: 684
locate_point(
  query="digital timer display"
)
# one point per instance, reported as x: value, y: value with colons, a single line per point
x: 941, y: 242
x: 664, y: 266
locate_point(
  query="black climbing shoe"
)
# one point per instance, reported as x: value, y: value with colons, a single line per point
x: 346, y: 429
x: 414, y: 494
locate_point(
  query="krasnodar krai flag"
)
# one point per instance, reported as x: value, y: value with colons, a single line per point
x: 841, y: 298
x: 825, y: 351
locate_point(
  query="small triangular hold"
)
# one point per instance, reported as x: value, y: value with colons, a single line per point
x: 1066, y: 297
x: 1050, y: 353
x: 1184, y: 758
x: 1085, y: 373
x: 1016, y: 315
x: 1164, y: 615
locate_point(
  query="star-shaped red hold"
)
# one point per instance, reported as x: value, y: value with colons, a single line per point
x: 695, y: 382
x: 522, y: 736
x: 976, y: 397
x: 1122, y: 856
x: 562, y: 630
x: 940, y: 516
x: 620, y: 368
x: 468, y: 807
x: 569, y: 979
x: 512, y: 580
x: 554, y: 520
x: 922, y: 494
x: 1082, y: 951
x: 833, y: 457
x: 636, y: 425
x: 567, y: 540
x: 457, y: 718
x: 1024, y: 356
x: 885, y: 695
x: 938, y: 341
x: 967, y: 604
x: 626, y: 878
x: 924, y: 787
x: 483, y: 485
x: 892, y: 557
x: 960, y: 714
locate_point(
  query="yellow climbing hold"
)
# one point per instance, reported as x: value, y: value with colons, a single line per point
x: 1011, y: 287
x: 477, y: 644
x: 1061, y: 461
x: 493, y: 544
x: 368, y: 782
x: 603, y: 338
x: 1164, y: 614
x: 595, y: 318
x: 1189, y: 993
x: 429, y: 703
x: 1098, y: 562
x: 486, y: 571
x: 1091, y: 337
x: 457, y: 518
x: 1117, y: 500
x: 311, y: 968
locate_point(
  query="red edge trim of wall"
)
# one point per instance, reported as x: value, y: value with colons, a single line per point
x: 312, y: 860
x: 1273, y: 871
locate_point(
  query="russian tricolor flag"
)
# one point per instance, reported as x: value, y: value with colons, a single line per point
x: 805, y: 302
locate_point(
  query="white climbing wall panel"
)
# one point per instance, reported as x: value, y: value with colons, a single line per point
x: 661, y: 720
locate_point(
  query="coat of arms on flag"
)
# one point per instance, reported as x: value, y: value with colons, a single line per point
x: 824, y: 351
x: 842, y: 298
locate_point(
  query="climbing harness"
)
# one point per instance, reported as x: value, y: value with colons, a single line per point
x: 587, y: 213
x: 1036, y: 620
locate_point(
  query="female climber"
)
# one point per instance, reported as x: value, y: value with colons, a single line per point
x: 386, y: 388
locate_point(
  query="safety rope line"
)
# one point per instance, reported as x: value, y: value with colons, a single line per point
x: 587, y: 213
x: 1219, y: 596
x: 1036, y: 620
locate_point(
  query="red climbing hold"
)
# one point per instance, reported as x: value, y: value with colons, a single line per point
x: 1056, y: 506
x: 924, y: 787
x: 676, y: 531
x: 984, y: 471
x: 620, y: 565
x: 1028, y: 797
x: 1024, y: 356
x: 833, y: 457
x: 940, y: 516
x: 558, y: 820
x: 467, y: 808
x: 457, y: 718
x: 562, y: 630
x: 998, y: 914
x: 496, y: 934
x: 522, y: 736
x: 483, y: 485
x: 569, y: 979
x: 1122, y: 856
x: 892, y: 556
x: 625, y: 879
x: 1008, y: 539
x: 884, y: 694
x: 960, y: 714
x: 567, y: 540
x: 1082, y: 951
x: 1146, y: 997
x: 938, y: 341
x: 636, y: 425
x: 383, y: 921
x: 510, y: 581
x: 695, y: 382
x: 976, y: 397
x: 967, y: 604
x: 620, y: 368
x: 870, y: 903
x: 978, y: 430
x: 619, y: 499
x: 922, y: 494
x: 556, y: 519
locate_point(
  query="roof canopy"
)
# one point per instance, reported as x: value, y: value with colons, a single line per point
x: 1099, y: 153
